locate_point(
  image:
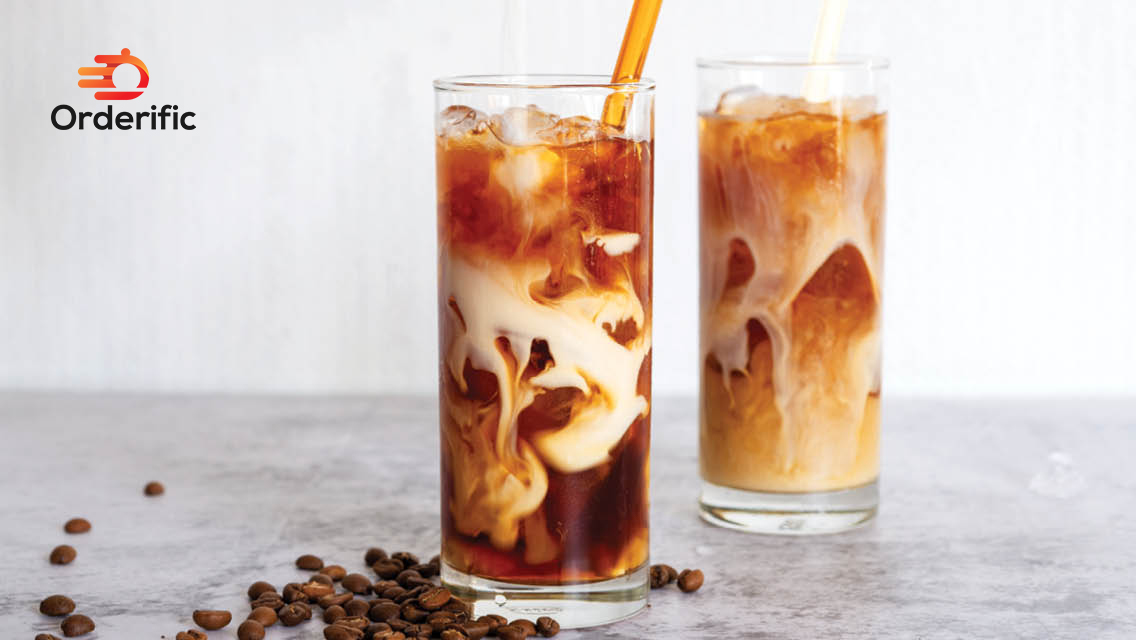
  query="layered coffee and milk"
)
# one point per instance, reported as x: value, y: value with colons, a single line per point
x: 792, y: 219
x: 545, y: 336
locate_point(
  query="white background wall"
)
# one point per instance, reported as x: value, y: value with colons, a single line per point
x: 288, y: 243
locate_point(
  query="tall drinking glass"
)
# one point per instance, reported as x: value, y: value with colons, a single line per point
x: 544, y: 302
x: 791, y: 168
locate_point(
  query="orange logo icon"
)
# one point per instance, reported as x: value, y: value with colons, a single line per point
x: 105, y: 74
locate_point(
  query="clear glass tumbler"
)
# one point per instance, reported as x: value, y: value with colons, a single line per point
x: 544, y: 302
x: 791, y: 197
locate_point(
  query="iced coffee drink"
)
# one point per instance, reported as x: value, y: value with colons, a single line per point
x: 544, y: 245
x: 792, y: 227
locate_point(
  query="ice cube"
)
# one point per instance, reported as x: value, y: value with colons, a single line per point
x: 741, y: 100
x: 573, y: 130
x: 520, y: 126
x: 459, y: 119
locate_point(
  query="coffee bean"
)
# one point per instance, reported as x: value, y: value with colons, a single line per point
x: 322, y: 578
x: 212, y: 619
x: 333, y: 613
x: 334, y: 571
x: 259, y: 588
x: 355, y: 622
x: 375, y: 630
x: 316, y: 590
x: 335, y: 599
x: 293, y: 592
x: 191, y: 634
x: 454, y: 633
x: 383, y: 585
x: 250, y: 630
x: 475, y: 630
x: 405, y: 557
x: 268, y: 600
x: 392, y: 592
x: 440, y: 618
x: 357, y: 607
x: 494, y: 621
x: 425, y: 570
x: 402, y: 577
x: 76, y: 625
x: 436, y: 560
x: 356, y: 583
x: 308, y: 562
x: 387, y: 568
x: 528, y: 625
x: 658, y: 576
x: 46, y: 636
x: 56, y: 605
x: 293, y: 614
x: 373, y: 555
x: 420, y: 630
x: 336, y: 632
x: 77, y: 525
x: 547, y: 627
x: 383, y: 611
x: 411, y: 612
x: 398, y: 624
x: 154, y: 489
x: 434, y: 598
x: 690, y: 580
x: 266, y: 616
x: 457, y: 606
x: 672, y: 575
x: 63, y: 554
x: 509, y: 632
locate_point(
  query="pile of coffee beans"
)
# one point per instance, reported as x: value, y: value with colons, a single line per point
x: 403, y: 602
x: 688, y: 579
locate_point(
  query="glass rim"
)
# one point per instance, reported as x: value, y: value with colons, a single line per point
x: 849, y: 62
x: 540, y: 81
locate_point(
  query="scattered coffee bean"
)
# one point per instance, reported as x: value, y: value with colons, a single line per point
x: 56, y: 605
x: 333, y: 613
x: 420, y: 630
x: 356, y: 583
x: 493, y: 621
x: 77, y: 525
x: 454, y: 633
x: 335, y: 599
x: 510, y: 632
x: 266, y: 616
x: 322, y: 578
x: 528, y: 625
x: 457, y: 606
x: 191, y: 634
x: 46, y: 636
x: 334, y: 571
x: 76, y: 625
x: 373, y: 555
x: 404, y: 575
x: 308, y: 562
x: 63, y: 554
x: 476, y: 630
x: 662, y: 575
x: 250, y: 630
x: 434, y: 598
x: 358, y: 607
x: 690, y: 580
x: 405, y: 557
x: 392, y: 592
x: 441, y: 618
x: 413, y: 613
x: 258, y: 588
x: 212, y: 619
x: 425, y: 570
x: 376, y: 628
x: 154, y: 489
x: 293, y: 592
x: 316, y: 590
x: 398, y: 624
x: 383, y: 585
x: 268, y: 600
x: 383, y: 611
x: 295, y: 613
x: 387, y: 568
x: 337, y: 632
x: 547, y: 627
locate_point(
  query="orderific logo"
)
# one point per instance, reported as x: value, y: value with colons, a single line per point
x: 65, y: 117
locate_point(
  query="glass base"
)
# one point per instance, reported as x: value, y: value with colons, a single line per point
x: 571, y: 605
x: 793, y: 514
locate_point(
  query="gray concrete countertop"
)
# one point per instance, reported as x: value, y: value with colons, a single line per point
x: 999, y: 519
